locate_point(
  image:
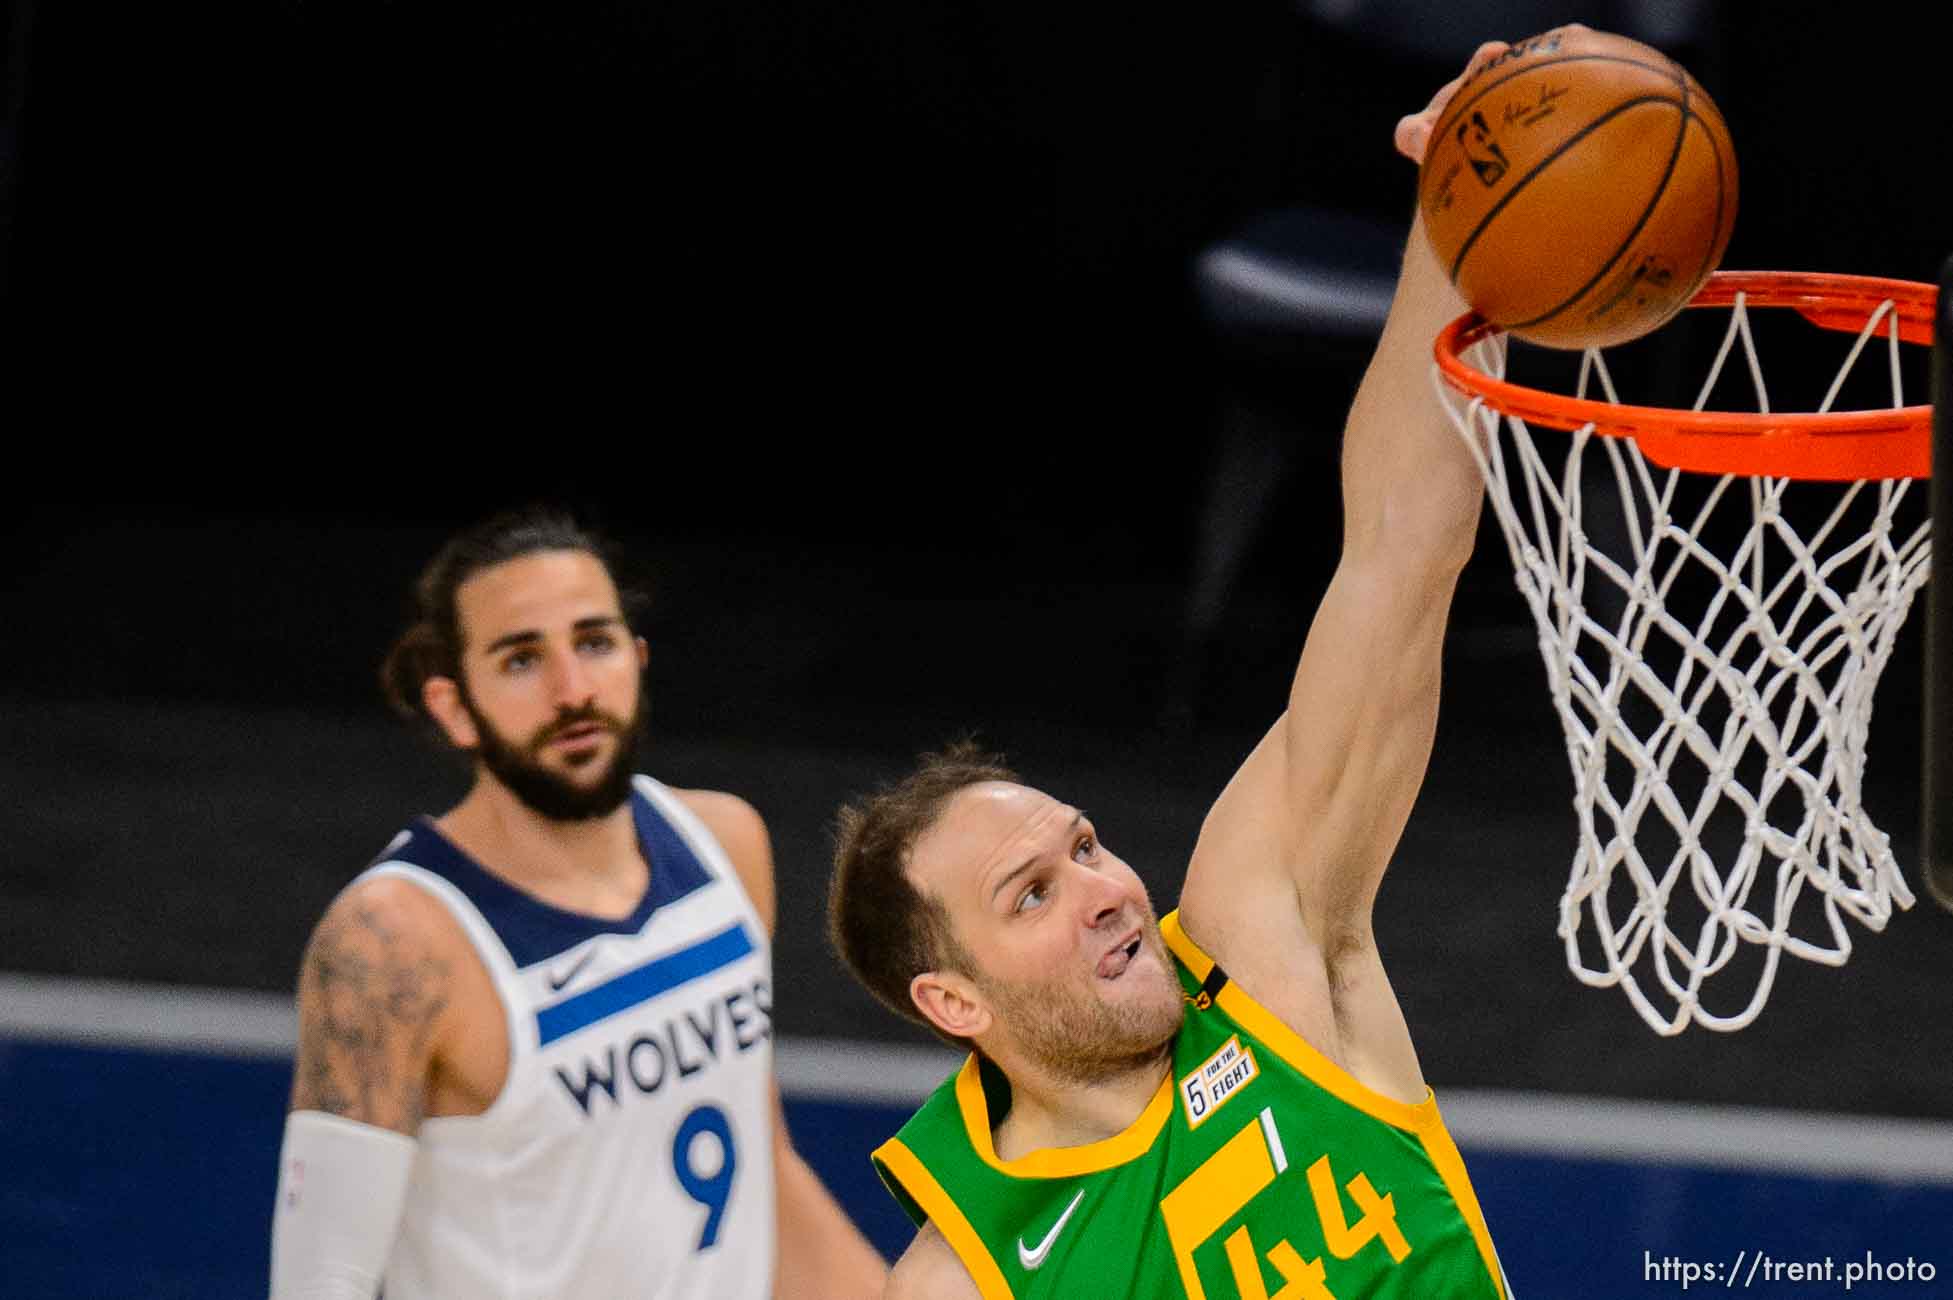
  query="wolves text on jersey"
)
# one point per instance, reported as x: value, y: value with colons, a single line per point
x: 683, y: 1046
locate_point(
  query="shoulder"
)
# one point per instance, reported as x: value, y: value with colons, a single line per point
x: 385, y: 937
x: 930, y: 1270
x: 390, y: 920
x: 741, y: 831
x: 736, y: 823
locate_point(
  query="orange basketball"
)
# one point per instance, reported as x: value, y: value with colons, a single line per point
x: 1579, y: 188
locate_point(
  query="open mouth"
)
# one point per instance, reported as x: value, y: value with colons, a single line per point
x: 1114, y: 963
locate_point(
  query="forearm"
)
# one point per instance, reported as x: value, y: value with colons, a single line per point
x: 341, y: 1188
x: 1411, y: 496
x: 822, y: 1253
x: 1411, y: 490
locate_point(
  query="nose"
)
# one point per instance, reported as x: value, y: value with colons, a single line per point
x: 570, y: 682
x: 1105, y: 901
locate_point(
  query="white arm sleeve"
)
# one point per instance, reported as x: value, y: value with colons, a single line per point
x: 341, y: 1188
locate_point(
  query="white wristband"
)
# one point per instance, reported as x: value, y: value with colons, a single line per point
x: 341, y: 1187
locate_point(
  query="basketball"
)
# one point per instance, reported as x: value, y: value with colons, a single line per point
x: 1579, y: 188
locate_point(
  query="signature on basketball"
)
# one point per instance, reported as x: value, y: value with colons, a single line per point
x: 1645, y: 281
x: 1524, y: 113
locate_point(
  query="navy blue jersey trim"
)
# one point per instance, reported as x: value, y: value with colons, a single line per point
x: 640, y: 984
x: 534, y: 931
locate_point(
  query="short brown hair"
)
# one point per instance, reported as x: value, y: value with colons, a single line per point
x: 886, y: 930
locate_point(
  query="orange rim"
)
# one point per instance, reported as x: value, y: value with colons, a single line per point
x: 1838, y: 446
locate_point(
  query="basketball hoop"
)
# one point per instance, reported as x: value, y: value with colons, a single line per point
x: 1713, y: 660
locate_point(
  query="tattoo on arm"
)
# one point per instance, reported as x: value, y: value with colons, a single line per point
x: 367, y: 1009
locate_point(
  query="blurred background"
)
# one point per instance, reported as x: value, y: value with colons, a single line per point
x: 890, y: 341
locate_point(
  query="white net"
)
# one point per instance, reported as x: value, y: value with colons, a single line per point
x: 1712, y: 645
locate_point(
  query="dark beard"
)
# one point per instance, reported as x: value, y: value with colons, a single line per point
x: 543, y: 791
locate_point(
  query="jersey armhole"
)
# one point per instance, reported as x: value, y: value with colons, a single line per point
x: 1294, y: 1049
x: 918, y: 1192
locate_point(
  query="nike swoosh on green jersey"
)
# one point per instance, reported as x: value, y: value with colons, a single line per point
x: 1034, y: 1258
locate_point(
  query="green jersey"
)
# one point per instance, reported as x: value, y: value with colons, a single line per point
x: 1260, y: 1170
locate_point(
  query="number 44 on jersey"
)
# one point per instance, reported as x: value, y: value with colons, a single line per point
x: 1240, y: 1171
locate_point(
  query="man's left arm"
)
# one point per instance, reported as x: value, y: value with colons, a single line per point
x: 821, y: 1252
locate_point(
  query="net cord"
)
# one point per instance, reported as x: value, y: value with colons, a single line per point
x: 1798, y: 625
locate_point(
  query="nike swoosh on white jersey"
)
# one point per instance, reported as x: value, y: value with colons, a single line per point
x: 557, y: 983
x: 1035, y: 1258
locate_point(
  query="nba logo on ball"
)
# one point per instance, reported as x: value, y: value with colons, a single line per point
x: 1579, y: 189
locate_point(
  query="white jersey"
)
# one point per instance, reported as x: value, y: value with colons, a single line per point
x: 629, y: 1153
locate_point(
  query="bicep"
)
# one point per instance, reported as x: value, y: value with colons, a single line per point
x: 1312, y: 816
x: 1360, y: 722
x: 372, y: 991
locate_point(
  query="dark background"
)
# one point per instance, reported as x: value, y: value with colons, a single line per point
x: 867, y: 329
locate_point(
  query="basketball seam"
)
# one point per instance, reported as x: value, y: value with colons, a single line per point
x: 1721, y: 238
x: 1668, y: 174
x: 1455, y: 111
x: 1715, y: 154
x: 1519, y: 185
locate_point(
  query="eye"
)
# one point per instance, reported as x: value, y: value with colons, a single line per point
x: 597, y: 642
x: 1087, y: 848
x: 1035, y: 895
x: 520, y: 661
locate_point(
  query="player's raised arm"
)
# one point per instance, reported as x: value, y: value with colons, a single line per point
x: 1287, y: 865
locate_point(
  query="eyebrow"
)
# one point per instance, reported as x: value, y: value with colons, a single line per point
x: 1077, y: 818
x: 529, y: 634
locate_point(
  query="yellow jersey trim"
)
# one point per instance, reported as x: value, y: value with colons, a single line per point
x: 941, y: 1209
x: 1451, y: 1168
x: 1060, y: 1162
x: 1295, y: 1049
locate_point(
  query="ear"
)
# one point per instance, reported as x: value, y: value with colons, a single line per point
x: 643, y: 653
x: 442, y: 698
x: 951, y: 1003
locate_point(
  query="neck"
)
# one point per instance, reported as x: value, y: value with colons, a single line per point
x: 1048, y: 1110
x: 507, y: 834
